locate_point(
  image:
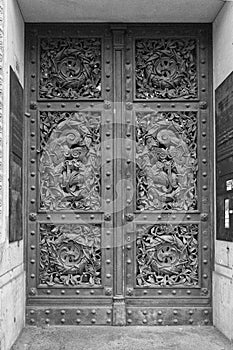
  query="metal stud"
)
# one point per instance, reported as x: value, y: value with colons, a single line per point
x: 204, y: 174
x: 108, y: 320
x: 144, y: 320
x: 32, y: 312
x: 175, y: 312
x: 78, y: 320
x: 33, y: 201
x: 92, y: 292
x: 205, y: 247
x: 47, y: 312
x: 33, y: 134
x: 47, y: 320
x: 33, y: 233
x: 32, y: 320
x: 160, y: 321
x: 93, y: 320
x: 190, y: 312
x: 33, y: 160
x: 108, y: 275
x: 108, y: 261
x: 33, y: 188
x: 108, y: 88
x: 175, y: 321
x: 174, y: 292
x: 63, y: 217
x: 158, y: 105
x: 145, y: 217
x: 48, y: 291
x: 204, y: 147
x: 205, y: 276
x: 204, y: 134
x: 63, y: 312
x: 77, y: 292
x: 63, y: 291
x: 78, y: 105
x: 63, y: 320
x: 188, y: 292
x: 33, y: 275
x: 32, y: 247
x: 205, y: 262
x: 159, y: 292
x: 49, y: 105
x: 204, y: 187
x: 32, y: 261
x: 129, y: 320
x: 63, y: 105
x: 191, y: 321
x: 159, y: 312
x: 108, y: 147
x: 204, y: 161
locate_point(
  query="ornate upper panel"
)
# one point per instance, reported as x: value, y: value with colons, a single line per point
x: 166, y: 160
x: 166, y: 69
x: 70, y: 160
x: 70, y: 68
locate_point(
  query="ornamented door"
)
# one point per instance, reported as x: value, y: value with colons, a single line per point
x: 119, y: 185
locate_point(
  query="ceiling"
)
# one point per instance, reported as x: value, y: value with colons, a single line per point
x: 120, y: 10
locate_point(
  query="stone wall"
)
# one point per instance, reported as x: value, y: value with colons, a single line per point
x: 223, y: 269
x: 12, y: 274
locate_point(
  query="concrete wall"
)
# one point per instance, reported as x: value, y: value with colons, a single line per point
x: 12, y: 274
x: 223, y: 274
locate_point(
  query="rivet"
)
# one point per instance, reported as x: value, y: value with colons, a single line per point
x: 188, y: 292
x: 33, y: 75
x: 159, y: 292
x: 204, y: 161
x: 188, y: 217
x: 48, y: 291
x: 144, y: 321
x: 63, y: 320
x: 144, y: 312
x: 128, y: 90
x: 33, y: 61
x: 33, y: 89
x: 77, y: 216
x: 190, y: 312
x: 206, y: 321
x: 108, y: 320
x: 92, y: 217
x: 128, y: 161
x: 145, y: 292
x: 33, y: 201
x: 92, y: 292
x: 33, y: 247
x: 93, y: 320
x: 107, y: 88
x: 78, y: 320
x: 206, y: 312
x: 160, y: 321
x: 108, y: 133
x: 204, y: 134
x: 108, y: 187
x: 187, y: 105
x: 108, y: 47
x: 63, y: 216
x: 93, y: 312
x: 108, y: 312
x: 108, y: 173
x: 203, y: 89
x: 128, y: 134
x: 49, y: 105
x: 203, y: 120
x: 63, y: 291
x: 173, y: 105
x: 107, y: 75
x: 191, y: 321
x: 47, y: 320
x: 203, y: 75
x: 174, y: 292
x: 108, y: 275
x: 108, y: 200
x: 33, y: 188
x: 205, y: 262
x: 128, y: 247
x: 108, y: 233
x: 129, y: 312
x: 129, y: 261
x: 33, y: 148
x: 32, y: 134
x: 175, y: 312
x: 203, y: 61
x: 145, y: 217
x: 205, y: 275
x: 204, y: 187
x: 175, y: 321
x: 128, y: 201
x: 48, y: 217
x: 159, y: 312
x: 91, y: 105
x: 33, y: 233
x: 63, y: 105
x: 32, y: 320
x: 32, y: 160
x: 33, y: 174
x: 144, y: 105
x: 204, y: 174
x: 128, y: 148
x: 159, y: 105
x: 108, y: 160
x: 205, y: 247
x: 63, y: 312
x: 107, y: 120
x: 173, y: 217
x: 204, y: 147
x: 128, y: 188
x: 78, y: 105
x: 129, y: 320
x: 32, y: 312
x: 33, y: 121
x: 127, y: 62
x: 47, y: 312
x: 108, y: 248
x: 77, y: 292
x: 128, y: 76
x: 107, y: 61
x: 108, y: 147
x: 108, y: 261
x: 159, y: 217
x: 32, y: 261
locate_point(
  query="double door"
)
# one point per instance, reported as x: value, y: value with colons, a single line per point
x: 118, y: 180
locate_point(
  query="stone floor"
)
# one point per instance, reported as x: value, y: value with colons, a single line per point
x: 118, y: 338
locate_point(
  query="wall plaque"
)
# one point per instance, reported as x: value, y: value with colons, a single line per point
x: 224, y: 158
x: 16, y: 153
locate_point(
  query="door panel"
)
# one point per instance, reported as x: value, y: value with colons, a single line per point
x: 118, y: 186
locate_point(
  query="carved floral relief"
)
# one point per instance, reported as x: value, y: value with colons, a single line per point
x: 70, y: 160
x: 166, y: 69
x: 167, y: 255
x: 70, y: 255
x: 70, y: 68
x: 166, y: 160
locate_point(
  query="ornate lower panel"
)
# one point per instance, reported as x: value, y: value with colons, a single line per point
x: 168, y: 316
x: 167, y: 255
x: 70, y: 255
x: 85, y: 315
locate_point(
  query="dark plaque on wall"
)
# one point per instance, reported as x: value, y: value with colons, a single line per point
x: 224, y: 159
x: 16, y: 153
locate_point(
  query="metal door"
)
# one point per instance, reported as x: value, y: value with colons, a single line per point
x: 118, y: 183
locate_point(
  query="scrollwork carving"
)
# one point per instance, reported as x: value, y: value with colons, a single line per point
x: 166, y: 69
x: 70, y: 160
x: 167, y: 255
x: 166, y: 160
x: 70, y: 255
x: 70, y: 68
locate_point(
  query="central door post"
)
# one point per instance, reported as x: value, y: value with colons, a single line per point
x: 119, y: 311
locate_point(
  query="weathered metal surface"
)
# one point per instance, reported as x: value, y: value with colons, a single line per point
x: 119, y: 173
